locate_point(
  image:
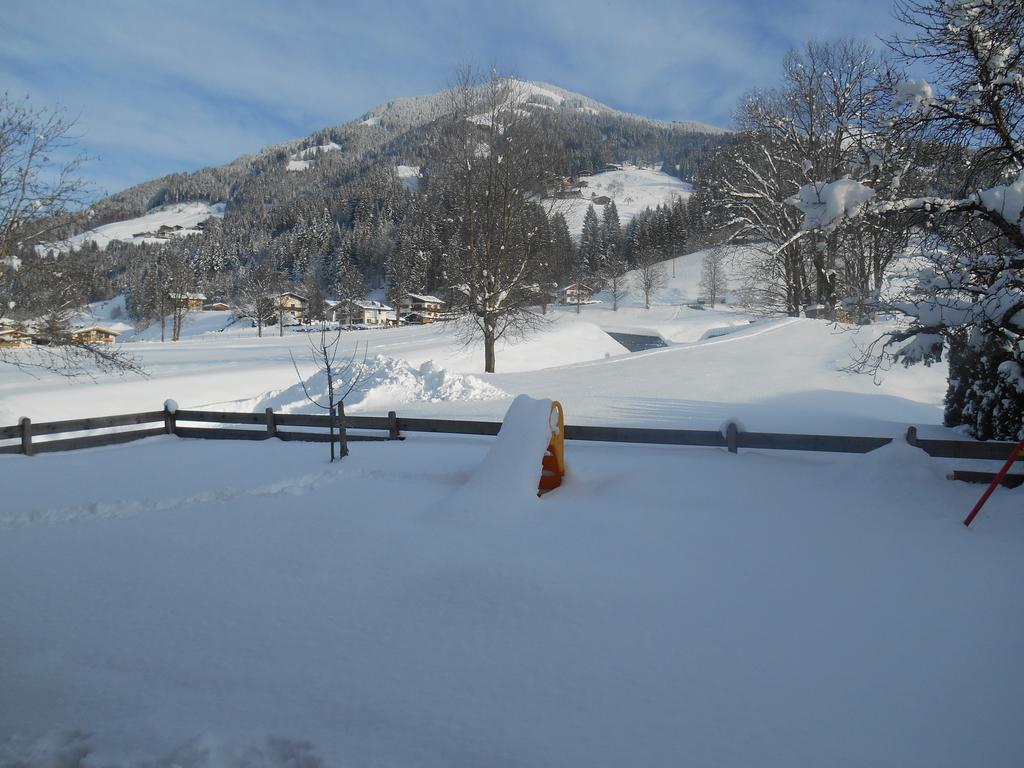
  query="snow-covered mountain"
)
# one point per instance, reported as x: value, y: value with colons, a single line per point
x: 398, y: 134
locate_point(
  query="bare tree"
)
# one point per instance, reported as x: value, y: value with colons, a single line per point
x: 714, y: 281
x: 42, y: 195
x: 650, y: 274
x: 828, y: 119
x: 179, y: 281
x: 257, y: 287
x: 342, y: 378
x: 39, y: 194
x: 493, y: 162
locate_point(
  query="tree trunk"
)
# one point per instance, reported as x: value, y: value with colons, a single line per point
x: 488, y: 348
x: 330, y: 429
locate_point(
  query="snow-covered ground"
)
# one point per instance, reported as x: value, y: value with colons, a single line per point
x: 776, y: 374
x: 409, y: 175
x: 208, y: 603
x: 183, y: 219
x: 633, y: 189
x: 216, y: 603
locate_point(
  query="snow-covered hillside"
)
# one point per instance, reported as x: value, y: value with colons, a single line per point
x: 159, y: 224
x: 633, y: 189
x: 304, y: 158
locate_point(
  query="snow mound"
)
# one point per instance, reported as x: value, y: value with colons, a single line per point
x: 511, y: 469
x: 384, y: 382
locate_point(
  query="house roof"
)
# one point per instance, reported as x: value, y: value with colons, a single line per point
x: 194, y: 296
x: 576, y: 287
x: 425, y: 299
x: 292, y: 293
x: 372, y: 304
x: 98, y: 329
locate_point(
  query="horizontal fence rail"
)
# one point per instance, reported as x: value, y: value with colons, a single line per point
x: 239, y: 425
x: 989, y: 450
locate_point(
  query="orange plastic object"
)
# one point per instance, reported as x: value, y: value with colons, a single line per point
x: 553, y: 464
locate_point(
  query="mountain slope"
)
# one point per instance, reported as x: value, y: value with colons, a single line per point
x: 399, y: 132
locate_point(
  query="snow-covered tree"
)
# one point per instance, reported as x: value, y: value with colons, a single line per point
x: 966, y: 285
x: 826, y: 120
x: 493, y: 161
x: 258, y: 286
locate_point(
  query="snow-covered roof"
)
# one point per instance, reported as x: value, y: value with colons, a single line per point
x: 298, y: 296
x: 97, y: 329
x: 193, y: 296
x: 371, y: 304
x: 424, y: 299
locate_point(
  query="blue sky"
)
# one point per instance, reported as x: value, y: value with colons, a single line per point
x: 174, y: 86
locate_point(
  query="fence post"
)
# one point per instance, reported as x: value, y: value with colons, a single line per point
x: 271, y: 424
x: 170, y: 422
x: 342, y: 430
x: 912, y: 435
x: 732, y: 437
x: 26, y: 435
x: 392, y: 425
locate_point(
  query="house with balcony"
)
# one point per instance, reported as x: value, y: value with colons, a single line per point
x: 189, y: 301
x: 576, y: 293
x: 291, y: 303
x: 14, y: 338
x: 362, y: 312
x: 419, y: 309
x: 94, y: 334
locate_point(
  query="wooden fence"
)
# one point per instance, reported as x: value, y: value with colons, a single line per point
x: 989, y: 450
x: 296, y: 426
x: 247, y: 426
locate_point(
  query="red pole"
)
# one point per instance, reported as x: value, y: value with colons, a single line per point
x: 992, y: 486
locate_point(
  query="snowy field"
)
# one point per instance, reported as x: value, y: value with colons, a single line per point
x: 775, y: 374
x: 216, y: 603
x: 633, y: 189
x: 183, y: 219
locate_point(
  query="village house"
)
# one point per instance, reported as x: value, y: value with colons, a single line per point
x: 418, y: 310
x: 216, y: 306
x: 94, y: 334
x: 292, y: 303
x: 13, y: 338
x: 189, y: 301
x: 361, y: 312
x: 576, y: 293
